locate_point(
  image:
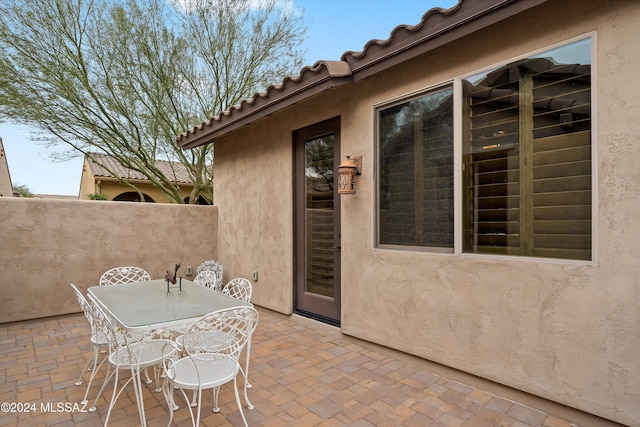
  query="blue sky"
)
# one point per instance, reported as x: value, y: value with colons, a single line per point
x: 334, y: 27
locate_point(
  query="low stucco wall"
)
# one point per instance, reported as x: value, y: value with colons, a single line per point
x: 45, y: 244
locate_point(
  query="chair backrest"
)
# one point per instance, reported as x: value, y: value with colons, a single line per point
x: 207, y: 279
x: 224, y: 331
x: 86, y: 307
x: 103, y: 322
x: 214, y: 266
x: 115, y: 335
x: 239, y: 288
x: 120, y: 275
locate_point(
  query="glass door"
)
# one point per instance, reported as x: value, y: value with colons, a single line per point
x: 317, y: 204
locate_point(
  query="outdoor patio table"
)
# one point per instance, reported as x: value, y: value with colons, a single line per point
x: 146, y: 306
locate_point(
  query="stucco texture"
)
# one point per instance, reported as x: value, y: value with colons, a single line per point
x: 256, y: 213
x: 47, y: 244
x: 566, y: 331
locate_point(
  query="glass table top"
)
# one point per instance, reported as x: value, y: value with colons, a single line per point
x: 147, y: 304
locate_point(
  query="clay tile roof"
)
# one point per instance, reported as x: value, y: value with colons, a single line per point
x: 436, y: 28
x: 321, y: 76
x: 174, y: 170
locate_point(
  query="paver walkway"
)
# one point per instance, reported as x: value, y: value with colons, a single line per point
x: 302, y: 375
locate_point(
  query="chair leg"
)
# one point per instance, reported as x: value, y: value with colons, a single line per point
x: 137, y: 387
x: 86, y: 367
x: 246, y: 369
x: 167, y: 389
x: 157, y: 372
x: 199, y: 406
x: 114, y: 396
x: 93, y: 374
x: 107, y: 377
x: 246, y: 397
x: 193, y: 420
x: 246, y: 375
x: 94, y: 369
x: 146, y: 372
x: 194, y: 403
x: 235, y: 390
x: 216, y: 392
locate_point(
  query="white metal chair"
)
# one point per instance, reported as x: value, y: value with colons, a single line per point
x: 240, y: 288
x: 118, y: 275
x: 132, y: 352
x: 127, y: 274
x: 213, y: 345
x: 207, y: 279
x: 99, y: 341
x: 216, y: 267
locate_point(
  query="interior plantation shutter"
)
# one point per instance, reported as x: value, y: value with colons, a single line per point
x: 562, y: 160
x: 527, y: 161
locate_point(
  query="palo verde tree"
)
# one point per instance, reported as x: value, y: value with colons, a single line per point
x: 126, y: 77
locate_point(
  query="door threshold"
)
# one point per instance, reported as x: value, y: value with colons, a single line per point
x: 318, y: 317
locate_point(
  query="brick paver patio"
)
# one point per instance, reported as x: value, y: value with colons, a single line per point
x: 302, y: 375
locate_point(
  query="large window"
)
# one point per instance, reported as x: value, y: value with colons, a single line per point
x: 526, y: 161
x: 416, y: 172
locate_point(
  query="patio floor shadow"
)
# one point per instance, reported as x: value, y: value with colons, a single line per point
x: 302, y: 374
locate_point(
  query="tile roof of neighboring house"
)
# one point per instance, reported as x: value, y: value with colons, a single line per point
x: 174, y: 170
x: 437, y: 28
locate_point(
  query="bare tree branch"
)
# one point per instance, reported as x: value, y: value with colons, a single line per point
x: 125, y: 77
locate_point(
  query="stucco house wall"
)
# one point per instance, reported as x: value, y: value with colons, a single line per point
x: 566, y: 331
x: 255, y: 216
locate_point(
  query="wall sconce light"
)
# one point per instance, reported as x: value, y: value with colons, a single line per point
x: 347, y: 172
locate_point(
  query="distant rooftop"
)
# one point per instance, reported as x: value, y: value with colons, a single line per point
x: 55, y: 196
x: 177, y: 172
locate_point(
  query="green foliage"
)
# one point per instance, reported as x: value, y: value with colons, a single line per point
x: 125, y: 77
x: 96, y: 196
x: 22, y: 190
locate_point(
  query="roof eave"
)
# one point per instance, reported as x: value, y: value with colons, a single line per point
x: 261, y: 107
x: 406, y: 43
x: 136, y: 180
x: 322, y: 76
x: 437, y: 28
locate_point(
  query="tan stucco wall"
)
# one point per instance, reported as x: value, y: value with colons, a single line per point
x: 6, y: 187
x: 253, y: 195
x: 566, y: 332
x: 87, y: 182
x: 46, y: 244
